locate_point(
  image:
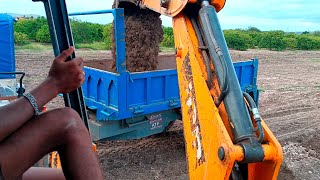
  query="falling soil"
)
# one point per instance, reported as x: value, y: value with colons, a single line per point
x: 143, y: 36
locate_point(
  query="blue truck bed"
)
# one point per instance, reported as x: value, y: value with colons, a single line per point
x: 126, y: 105
x: 120, y: 96
x: 135, y: 105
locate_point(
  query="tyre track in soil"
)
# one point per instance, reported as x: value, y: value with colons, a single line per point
x: 289, y: 103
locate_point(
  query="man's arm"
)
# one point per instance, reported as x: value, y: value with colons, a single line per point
x: 19, y: 112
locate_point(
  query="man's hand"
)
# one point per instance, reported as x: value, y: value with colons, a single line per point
x: 66, y: 76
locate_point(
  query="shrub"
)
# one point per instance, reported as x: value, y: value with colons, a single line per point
x: 273, y: 40
x: 253, y: 29
x: 256, y: 38
x: 168, y: 38
x: 291, y: 42
x: 238, y: 40
x: 85, y: 32
x: 307, y: 42
x: 43, y: 35
x: 30, y: 27
x: 316, y: 33
x: 20, y: 38
x: 291, y: 35
x: 107, y: 35
x: 306, y: 32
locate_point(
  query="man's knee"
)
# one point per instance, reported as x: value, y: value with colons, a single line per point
x: 68, y: 121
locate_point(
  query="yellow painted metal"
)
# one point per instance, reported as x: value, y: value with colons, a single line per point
x: 176, y: 6
x: 207, y: 128
x: 204, y: 130
x: 270, y: 167
x: 55, y: 161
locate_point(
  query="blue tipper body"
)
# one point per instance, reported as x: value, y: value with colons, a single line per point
x: 7, y: 58
x: 126, y: 105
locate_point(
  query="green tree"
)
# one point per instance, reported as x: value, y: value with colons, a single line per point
x: 307, y: 42
x: 107, y: 35
x: 85, y: 32
x: 168, y: 37
x: 316, y: 33
x: 30, y: 27
x: 43, y: 34
x: 253, y: 29
x: 291, y: 42
x: 306, y: 32
x: 238, y: 40
x: 273, y: 40
x: 20, y: 38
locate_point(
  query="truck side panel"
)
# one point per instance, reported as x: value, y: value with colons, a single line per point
x: 146, y: 92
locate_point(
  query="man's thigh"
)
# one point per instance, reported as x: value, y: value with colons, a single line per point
x: 31, y: 142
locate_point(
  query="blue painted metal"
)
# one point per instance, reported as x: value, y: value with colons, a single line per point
x: 247, y: 72
x: 118, y: 15
x: 93, y: 12
x: 7, y: 58
x: 146, y: 92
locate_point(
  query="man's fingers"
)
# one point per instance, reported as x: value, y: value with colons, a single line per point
x: 79, y: 62
x: 65, y: 54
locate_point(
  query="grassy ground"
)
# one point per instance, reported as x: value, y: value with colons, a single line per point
x: 93, y: 46
x: 34, y: 46
x: 167, y: 49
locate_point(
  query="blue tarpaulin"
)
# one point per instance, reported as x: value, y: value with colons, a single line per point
x: 7, y: 59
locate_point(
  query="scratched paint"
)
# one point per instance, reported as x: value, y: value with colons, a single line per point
x: 193, y: 112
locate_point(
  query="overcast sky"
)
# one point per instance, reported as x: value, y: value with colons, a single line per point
x: 287, y: 15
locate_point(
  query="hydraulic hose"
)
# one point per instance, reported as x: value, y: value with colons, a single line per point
x: 203, y: 51
x: 224, y: 87
x: 256, y: 115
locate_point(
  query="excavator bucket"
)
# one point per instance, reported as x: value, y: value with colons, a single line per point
x: 166, y: 7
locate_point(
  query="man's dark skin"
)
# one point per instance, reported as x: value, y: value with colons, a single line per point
x: 25, y: 138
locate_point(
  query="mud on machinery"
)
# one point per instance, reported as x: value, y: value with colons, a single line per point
x: 224, y: 134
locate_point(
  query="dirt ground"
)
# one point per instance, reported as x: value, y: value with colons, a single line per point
x: 289, y: 103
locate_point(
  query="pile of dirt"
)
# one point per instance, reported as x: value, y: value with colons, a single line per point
x: 143, y: 37
x: 160, y: 156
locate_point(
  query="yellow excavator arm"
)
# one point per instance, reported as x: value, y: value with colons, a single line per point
x: 225, y: 136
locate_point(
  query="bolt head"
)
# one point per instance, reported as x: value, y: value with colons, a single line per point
x: 221, y: 153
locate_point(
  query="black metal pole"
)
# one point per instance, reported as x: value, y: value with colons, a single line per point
x: 61, y: 37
